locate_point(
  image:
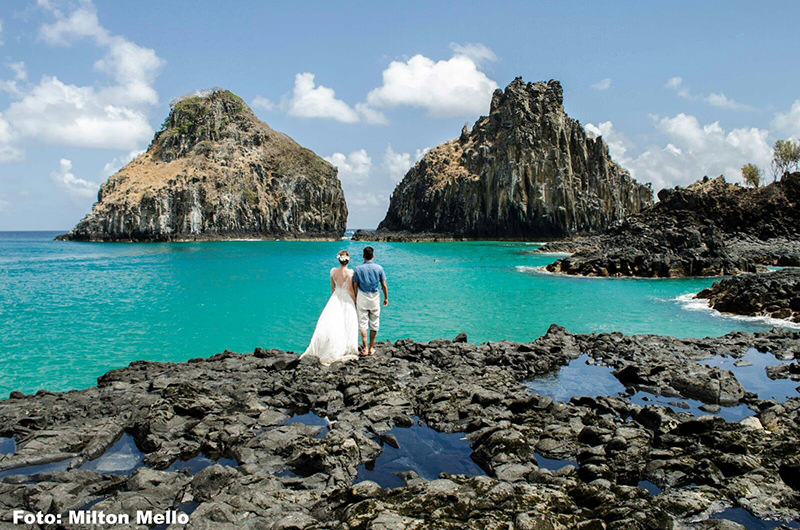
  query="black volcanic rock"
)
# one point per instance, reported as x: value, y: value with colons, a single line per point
x: 709, y: 228
x: 526, y: 170
x: 214, y: 171
x: 775, y: 294
x: 287, y: 474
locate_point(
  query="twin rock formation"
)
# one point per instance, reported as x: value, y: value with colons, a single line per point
x: 214, y: 171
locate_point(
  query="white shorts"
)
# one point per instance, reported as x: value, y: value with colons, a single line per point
x: 369, y: 310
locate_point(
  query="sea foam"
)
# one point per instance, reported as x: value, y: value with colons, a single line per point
x: 690, y: 303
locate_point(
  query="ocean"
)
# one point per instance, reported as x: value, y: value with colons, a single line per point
x: 71, y: 311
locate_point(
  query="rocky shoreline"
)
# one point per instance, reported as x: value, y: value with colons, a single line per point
x: 775, y: 294
x: 710, y: 228
x: 619, y: 464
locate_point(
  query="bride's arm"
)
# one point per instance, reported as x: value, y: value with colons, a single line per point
x: 353, y: 286
x: 333, y: 284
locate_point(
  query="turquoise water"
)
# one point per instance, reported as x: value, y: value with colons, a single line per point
x: 69, y: 312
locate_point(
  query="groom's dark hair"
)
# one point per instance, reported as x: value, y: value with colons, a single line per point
x: 369, y: 252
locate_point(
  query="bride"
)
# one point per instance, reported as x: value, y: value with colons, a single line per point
x: 336, y: 336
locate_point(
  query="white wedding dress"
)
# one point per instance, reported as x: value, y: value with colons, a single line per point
x: 336, y: 336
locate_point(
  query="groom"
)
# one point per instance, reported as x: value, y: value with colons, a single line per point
x: 367, y: 277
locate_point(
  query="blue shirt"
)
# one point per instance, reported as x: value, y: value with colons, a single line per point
x: 369, y: 276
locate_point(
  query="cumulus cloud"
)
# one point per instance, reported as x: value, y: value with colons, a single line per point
x: 716, y: 99
x: 445, y: 88
x: 693, y: 150
x: 353, y: 168
x: 8, y: 152
x: 788, y: 123
x: 73, y: 185
x: 110, y: 116
x: 603, y: 84
x: 397, y: 164
x: 309, y: 100
x: 260, y: 102
x: 370, y: 115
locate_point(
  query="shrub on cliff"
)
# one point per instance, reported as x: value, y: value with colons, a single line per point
x: 785, y: 158
x: 751, y: 175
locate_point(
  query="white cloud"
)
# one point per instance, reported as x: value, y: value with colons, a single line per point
x: 692, y: 151
x: 370, y: 115
x: 1, y: 33
x: 12, y: 85
x: 353, y: 168
x: 446, y: 88
x: 75, y: 186
x: 62, y: 114
x: 8, y: 153
x: 310, y: 101
x: 788, y: 123
x: 603, y: 84
x: 397, y: 164
x: 111, y: 116
x: 716, y: 99
x: 368, y: 199
x: 260, y: 102
x: 475, y: 51
x: 4, y: 204
x: 117, y: 162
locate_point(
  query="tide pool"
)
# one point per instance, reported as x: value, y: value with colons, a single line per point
x: 71, y: 311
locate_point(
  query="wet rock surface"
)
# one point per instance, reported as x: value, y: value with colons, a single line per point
x: 543, y: 463
x: 710, y: 228
x: 525, y: 170
x: 775, y: 294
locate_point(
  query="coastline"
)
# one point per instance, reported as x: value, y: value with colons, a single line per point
x: 248, y: 416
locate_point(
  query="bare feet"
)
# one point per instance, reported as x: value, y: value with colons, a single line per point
x: 363, y: 352
x: 371, y: 350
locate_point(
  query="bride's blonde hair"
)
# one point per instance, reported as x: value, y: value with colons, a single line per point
x: 343, y: 256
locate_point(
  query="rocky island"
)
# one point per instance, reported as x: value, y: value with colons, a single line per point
x: 527, y: 170
x: 215, y: 171
x: 269, y: 440
x: 709, y: 228
x: 774, y: 294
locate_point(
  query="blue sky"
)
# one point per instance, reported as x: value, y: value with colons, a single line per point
x: 679, y: 90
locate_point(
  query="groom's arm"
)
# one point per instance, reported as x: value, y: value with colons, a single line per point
x: 385, y: 293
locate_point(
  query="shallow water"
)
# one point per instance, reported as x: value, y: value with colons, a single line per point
x: 754, y: 377
x: 651, y: 488
x: 581, y: 377
x: 578, y: 378
x: 122, y: 458
x: 52, y: 467
x: 732, y: 414
x: 553, y: 464
x: 312, y: 420
x: 71, y: 311
x: 7, y: 446
x: 423, y: 450
x: 198, y: 463
x: 749, y: 521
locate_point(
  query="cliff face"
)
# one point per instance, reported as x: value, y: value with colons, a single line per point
x: 526, y: 170
x: 214, y: 171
